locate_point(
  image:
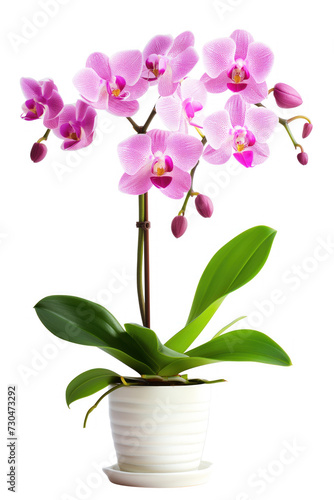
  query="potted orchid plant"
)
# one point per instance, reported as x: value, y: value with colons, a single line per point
x: 175, y: 405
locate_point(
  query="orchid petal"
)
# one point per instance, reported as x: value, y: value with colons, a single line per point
x: 254, y: 92
x: 30, y: 88
x: 181, y: 43
x: 136, y: 184
x: 218, y: 156
x: 245, y: 158
x: 68, y: 114
x: 183, y: 63
x: 162, y: 181
x: 160, y: 45
x: 216, y: 85
x: 54, y: 106
x: 216, y: 128
x: 242, y: 40
x: 236, y: 107
x: 184, y: 150
x: 261, y: 122
x: 89, y: 120
x: 181, y: 183
x: 195, y: 89
x: 236, y: 87
x: 134, y: 153
x: 122, y: 108
x: 261, y: 152
x: 47, y: 88
x: 128, y: 64
x: 260, y: 60
x: 218, y: 55
x: 169, y: 111
x: 138, y: 89
x: 51, y: 123
x: 88, y: 83
x: 100, y: 64
x: 166, y: 86
x: 158, y: 140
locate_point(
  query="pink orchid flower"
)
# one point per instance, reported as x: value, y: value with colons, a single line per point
x: 76, y: 125
x: 239, y: 64
x: 112, y: 83
x: 239, y: 128
x: 184, y: 106
x: 167, y: 61
x: 43, y: 100
x: 158, y: 158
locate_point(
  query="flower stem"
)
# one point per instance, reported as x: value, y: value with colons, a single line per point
x: 134, y: 124
x: 285, y: 124
x: 147, y: 266
x: 140, y: 253
x: 148, y: 121
x: 45, y: 136
x: 190, y: 192
x: 143, y: 250
x: 302, y: 117
x: 192, y: 173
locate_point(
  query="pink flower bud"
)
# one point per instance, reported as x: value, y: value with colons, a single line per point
x: 204, y: 205
x: 302, y: 158
x: 179, y: 225
x: 286, y: 96
x: 307, y: 130
x: 38, y: 152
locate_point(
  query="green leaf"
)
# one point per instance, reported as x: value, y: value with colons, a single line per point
x: 228, y: 326
x: 84, y: 322
x: 239, y: 345
x: 243, y: 345
x: 157, y: 354
x: 234, y: 265
x: 89, y: 383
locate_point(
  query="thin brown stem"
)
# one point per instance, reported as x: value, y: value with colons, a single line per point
x: 147, y: 267
x: 143, y: 240
x: 134, y: 124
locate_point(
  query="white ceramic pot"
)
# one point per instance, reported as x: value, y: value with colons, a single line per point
x: 159, y: 428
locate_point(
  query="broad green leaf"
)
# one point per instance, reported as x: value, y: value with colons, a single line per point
x: 228, y: 326
x: 84, y: 322
x: 89, y: 383
x: 243, y: 345
x: 146, y: 339
x: 185, y: 337
x: 234, y: 265
x: 239, y: 345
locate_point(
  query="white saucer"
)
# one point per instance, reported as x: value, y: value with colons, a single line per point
x: 159, y: 479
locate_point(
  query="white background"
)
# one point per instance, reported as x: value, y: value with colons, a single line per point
x: 64, y: 228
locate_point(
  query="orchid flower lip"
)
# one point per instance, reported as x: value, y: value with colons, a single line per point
x: 161, y: 164
x: 242, y: 138
x: 71, y: 131
x: 157, y: 65
x: 33, y: 110
x: 115, y: 87
x: 190, y: 108
x: 238, y: 71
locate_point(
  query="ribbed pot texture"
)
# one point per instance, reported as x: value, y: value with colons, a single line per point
x: 159, y: 428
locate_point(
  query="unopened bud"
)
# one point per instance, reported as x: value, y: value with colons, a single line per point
x: 179, y: 225
x: 307, y: 130
x: 302, y: 158
x: 286, y: 96
x: 38, y: 152
x: 204, y: 205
